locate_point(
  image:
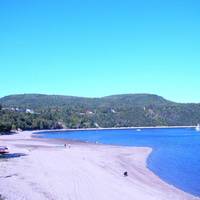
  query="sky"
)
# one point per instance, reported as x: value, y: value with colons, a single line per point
x: 96, y: 48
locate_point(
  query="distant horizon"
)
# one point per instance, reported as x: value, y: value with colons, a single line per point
x: 97, y: 96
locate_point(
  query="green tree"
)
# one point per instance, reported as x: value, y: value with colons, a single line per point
x: 5, y: 127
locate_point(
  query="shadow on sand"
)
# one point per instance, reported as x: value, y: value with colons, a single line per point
x: 12, y: 155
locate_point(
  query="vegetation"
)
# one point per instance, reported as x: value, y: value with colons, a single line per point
x: 37, y: 111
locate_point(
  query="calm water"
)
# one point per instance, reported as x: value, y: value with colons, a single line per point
x: 175, y: 157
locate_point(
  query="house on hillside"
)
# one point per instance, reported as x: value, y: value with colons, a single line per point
x: 29, y: 111
x: 113, y: 111
x: 88, y: 112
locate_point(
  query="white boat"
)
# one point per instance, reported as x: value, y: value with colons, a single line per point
x: 198, y: 127
x: 138, y: 129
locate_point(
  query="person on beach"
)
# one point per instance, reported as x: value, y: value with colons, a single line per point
x: 69, y: 146
x: 125, y: 173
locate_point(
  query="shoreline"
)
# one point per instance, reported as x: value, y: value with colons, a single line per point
x: 111, y: 128
x: 83, y: 171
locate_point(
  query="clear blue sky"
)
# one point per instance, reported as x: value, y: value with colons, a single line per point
x: 101, y: 47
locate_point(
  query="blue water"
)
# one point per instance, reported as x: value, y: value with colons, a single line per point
x: 175, y: 157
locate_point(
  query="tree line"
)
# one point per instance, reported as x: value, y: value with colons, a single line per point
x: 56, y: 112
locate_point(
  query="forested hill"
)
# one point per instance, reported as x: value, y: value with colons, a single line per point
x: 40, y: 101
x: 38, y: 111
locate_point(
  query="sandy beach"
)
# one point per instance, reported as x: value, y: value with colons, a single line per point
x: 44, y: 169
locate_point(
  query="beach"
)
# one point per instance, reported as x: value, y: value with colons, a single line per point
x: 47, y: 169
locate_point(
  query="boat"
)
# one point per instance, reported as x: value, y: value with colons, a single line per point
x: 3, y: 150
x: 138, y: 129
x: 198, y: 127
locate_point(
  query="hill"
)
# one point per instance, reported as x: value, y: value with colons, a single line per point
x: 37, y: 101
x: 38, y: 111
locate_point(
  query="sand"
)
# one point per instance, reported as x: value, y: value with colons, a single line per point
x: 45, y: 169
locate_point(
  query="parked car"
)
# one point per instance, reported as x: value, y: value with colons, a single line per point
x: 3, y: 150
